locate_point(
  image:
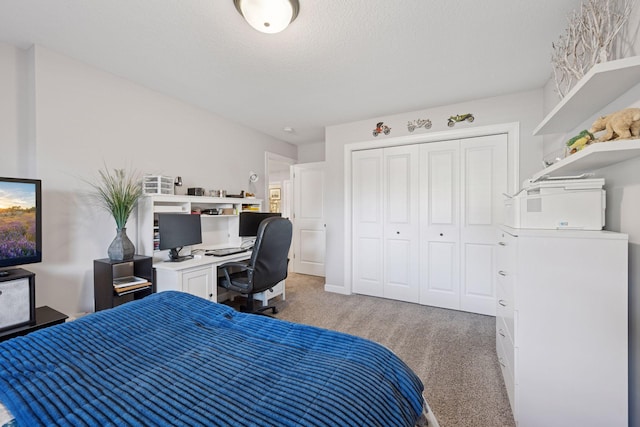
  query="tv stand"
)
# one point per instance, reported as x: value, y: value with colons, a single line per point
x: 45, y: 317
x: 17, y: 298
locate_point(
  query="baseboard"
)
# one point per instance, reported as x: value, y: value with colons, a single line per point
x: 336, y: 289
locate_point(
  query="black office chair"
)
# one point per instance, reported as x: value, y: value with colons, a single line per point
x: 267, y: 266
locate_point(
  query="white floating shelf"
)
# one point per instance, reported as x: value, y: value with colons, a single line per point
x: 603, y: 84
x: 594, y: 157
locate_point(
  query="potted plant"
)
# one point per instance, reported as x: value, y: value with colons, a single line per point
x: 118, y: 192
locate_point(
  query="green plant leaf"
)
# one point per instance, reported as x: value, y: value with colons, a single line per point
x: 117, y: 192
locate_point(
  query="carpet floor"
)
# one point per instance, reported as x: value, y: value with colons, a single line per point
x: 452, y: 352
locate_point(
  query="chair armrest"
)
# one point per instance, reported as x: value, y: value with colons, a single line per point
x: 234, y: 264
x: 225, y: 268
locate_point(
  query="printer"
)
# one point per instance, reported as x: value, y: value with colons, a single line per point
x: 575, y: 203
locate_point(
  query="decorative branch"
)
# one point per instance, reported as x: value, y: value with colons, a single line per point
x: 588, y: 40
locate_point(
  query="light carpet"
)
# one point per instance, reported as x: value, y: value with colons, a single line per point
x: 453, y: 352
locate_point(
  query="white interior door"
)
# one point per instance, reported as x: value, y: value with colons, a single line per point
x: 401, y: 226
x: 483, y: 178
x: 367, y: 227
x: 440, y: 224
x: 308, y: 218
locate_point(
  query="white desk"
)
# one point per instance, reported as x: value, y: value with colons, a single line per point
x: 199, y: 276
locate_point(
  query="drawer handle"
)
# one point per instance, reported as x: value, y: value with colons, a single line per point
x: 502, y: 273
x: 502, y: 243
x: 501, y: 333
x: 502, y: 302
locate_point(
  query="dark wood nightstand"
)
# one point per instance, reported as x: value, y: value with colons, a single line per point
x: 45, y: 317
x: 105, y: 271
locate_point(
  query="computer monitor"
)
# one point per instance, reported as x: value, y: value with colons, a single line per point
x: 250, y: 221
x: 177, y: 230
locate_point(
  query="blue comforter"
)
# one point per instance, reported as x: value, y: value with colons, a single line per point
x: 175, y: 359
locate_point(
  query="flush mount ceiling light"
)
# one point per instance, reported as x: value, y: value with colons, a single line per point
x: 268, y: 16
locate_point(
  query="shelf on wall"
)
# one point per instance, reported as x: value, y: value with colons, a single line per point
x: 593, y: 157
x: 604, y: 83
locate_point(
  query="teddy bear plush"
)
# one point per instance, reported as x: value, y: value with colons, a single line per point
x: 623, y: 124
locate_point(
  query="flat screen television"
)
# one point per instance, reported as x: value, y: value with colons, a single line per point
x: 20, y: 222
x: 250, y: 221
x: 176, y: 231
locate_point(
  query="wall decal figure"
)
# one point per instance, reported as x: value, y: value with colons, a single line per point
x: 381, y: 128
x: 418, y: 123
x: 460, y: 118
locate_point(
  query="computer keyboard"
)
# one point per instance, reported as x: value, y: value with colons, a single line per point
x: 225, y: 251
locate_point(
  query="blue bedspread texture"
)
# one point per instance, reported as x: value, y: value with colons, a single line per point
x: 179, y: 360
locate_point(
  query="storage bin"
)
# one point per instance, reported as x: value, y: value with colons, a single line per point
x: 157, y: 184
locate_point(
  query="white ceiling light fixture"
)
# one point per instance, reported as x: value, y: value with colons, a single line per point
x: 268, y: 16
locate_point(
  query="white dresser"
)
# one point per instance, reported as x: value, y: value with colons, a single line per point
x: 561, y: 326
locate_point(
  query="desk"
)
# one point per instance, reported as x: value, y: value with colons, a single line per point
x: 199, y: 276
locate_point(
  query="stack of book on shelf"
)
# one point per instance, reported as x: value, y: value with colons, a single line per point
x: 123, y: 285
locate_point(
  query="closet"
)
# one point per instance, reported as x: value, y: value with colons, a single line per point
x: 424, y: 219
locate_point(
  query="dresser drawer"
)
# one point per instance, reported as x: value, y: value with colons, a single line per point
x: 505, y: 351
x: 505, y: 312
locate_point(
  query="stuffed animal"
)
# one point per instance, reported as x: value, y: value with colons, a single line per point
x: 623, y: 124
x: 580, y: 141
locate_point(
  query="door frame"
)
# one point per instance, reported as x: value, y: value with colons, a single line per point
x: 268, y: 157
x: 513, y: 172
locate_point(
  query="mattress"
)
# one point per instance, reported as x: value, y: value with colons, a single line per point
x: 173, y: 358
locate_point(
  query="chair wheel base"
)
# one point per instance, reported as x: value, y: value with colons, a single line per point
x: 260, y: 310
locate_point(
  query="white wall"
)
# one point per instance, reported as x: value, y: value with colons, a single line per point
x: 525, y: 108
x: 311, y: 153
x: 13, y: 114
x: 85, y: 118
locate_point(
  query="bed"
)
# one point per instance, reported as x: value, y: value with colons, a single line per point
x: 176, y: 359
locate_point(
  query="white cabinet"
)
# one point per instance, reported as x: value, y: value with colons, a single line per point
x: 198, y: 280
x: 264, y: 297
x: 220, y: 228
x: 561, y: 326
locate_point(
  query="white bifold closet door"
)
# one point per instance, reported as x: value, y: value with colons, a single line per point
x: 385, y: 223
x: 423, y: 221
x: 462, y: 185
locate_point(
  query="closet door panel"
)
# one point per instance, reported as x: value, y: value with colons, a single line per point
x: 367, y: 224
x: 480, y: 263
x: 483, y: 176
x: 439, y: 224
x: 401, y: 269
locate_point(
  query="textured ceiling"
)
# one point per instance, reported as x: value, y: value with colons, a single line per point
x: 339, y: 61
